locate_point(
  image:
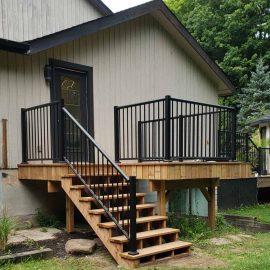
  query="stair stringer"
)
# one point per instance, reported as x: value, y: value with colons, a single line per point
x: 93, y: 220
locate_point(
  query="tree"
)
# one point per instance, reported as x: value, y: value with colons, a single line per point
x: 235, y: 33
x: 255, y: 97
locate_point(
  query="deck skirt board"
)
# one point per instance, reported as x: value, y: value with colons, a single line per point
x: 148, y: 170
x: 263, y: 181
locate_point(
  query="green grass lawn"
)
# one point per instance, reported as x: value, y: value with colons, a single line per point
x: 250, y: 254
x: 247, y: 255
x: 260, y: 211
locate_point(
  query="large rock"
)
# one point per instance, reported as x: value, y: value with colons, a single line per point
x: 80, y: 246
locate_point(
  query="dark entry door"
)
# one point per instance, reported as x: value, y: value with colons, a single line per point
x: 71, y: 87
x: 74, y: 84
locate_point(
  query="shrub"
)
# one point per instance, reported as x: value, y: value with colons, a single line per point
x: 6, y: 226
x: 47, y: 221
x: 196, y: 228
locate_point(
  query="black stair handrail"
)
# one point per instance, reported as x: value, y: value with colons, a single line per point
x: 254, y: 155
x: 248, y: 151
x: 95, y: 154
x: 95, y: 143
x: 51, y: 132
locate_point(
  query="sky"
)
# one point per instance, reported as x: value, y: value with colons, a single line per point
x: 117, y: 5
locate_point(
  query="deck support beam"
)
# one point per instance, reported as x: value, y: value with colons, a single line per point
x: 210, y: 196
x: 162, y: 199
x: 207, y: 187
x: 212, y: 206
x: 69, y: 215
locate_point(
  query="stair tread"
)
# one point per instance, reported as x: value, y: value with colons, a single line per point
x: 144, y: 252
x: 88, y: 199
x: 96, y: 185
x: 111, y: 224
x: 138, y: 206
x: 145, y: 234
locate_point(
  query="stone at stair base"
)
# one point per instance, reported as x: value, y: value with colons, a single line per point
x: 80, y: 246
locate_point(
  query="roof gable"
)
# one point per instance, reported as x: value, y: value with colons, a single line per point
x: 22, y: 20
x: 155, y: 8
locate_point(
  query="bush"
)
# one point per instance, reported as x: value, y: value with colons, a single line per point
x: 196, y: 228
x: 6, y: 226
x: 47, y: 221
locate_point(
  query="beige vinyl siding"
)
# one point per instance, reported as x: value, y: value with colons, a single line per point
x: 22, y: 20
x: 135, y: 61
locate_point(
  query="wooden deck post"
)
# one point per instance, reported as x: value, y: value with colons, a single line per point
x: 162, y: 198
x: 212, y: 206
x: 69, y: 215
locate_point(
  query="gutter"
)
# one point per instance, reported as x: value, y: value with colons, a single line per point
x: 14, y: 46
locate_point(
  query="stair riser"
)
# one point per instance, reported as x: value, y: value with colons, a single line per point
x: 111, y: 201
x: 154, y: 240
x: 100, y: 190
x: 163, y: 257
x: 141, y: 227
x: 140, y: 213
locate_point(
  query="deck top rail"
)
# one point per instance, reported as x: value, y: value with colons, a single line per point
x: 174, y: 129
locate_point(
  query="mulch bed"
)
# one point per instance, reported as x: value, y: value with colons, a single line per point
x: 57, y: 245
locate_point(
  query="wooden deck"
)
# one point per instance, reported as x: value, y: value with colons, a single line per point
x: 148, y: 170
x: 263, y: 181
x: 163, y: 177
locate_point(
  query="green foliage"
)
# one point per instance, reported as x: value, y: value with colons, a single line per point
x: 254, y: 99
x: 47, y: 221
x: 196, y: 228
x: 6, y: 226
x: 260, y: 211
x: 235, y: 33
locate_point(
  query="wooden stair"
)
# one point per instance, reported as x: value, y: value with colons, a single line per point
x: 155, y: 242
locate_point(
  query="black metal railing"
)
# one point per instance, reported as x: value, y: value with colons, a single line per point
x: 264, y: 160
x: 247, y: 151
x: 50, y: 132
x: 174, y: 129
x: 41, y: 129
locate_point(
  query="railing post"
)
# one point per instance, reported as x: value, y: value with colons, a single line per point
x: 61, y: 135
x: 181, y: 123
x: 259, y: 161
x: 233, y: 157
x: 140, y: 153
x: 116, y: 134
x: 247, y: 147
x: 133, y: 214
x: 24, y: 136
x: 168, y: 128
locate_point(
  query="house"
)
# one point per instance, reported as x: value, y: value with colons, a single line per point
x: 263, y: 160
x: 77, y: 90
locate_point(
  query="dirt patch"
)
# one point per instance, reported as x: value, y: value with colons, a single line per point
x: 230, y: 239
x: 219, y: 241
x: 57, y: 244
